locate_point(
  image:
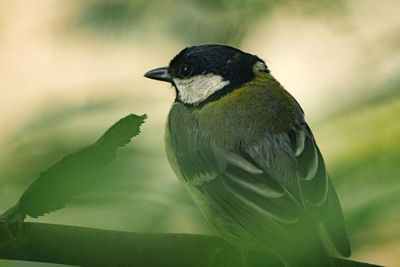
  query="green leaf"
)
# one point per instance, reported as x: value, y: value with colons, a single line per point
x: 74, y: 174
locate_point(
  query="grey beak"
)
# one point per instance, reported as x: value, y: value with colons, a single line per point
x: 160, y: 74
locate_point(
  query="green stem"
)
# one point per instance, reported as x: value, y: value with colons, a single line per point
x: 94, y: 247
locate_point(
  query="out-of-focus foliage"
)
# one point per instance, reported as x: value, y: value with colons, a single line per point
x: 111, y: 16
x: 367, y: 171
x: 193, y: 21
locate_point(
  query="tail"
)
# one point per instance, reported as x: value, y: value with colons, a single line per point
x: 307, y: 254
x: 305, y: 247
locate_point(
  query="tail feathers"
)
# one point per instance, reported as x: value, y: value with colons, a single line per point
x: 308, y: 254
x: 306, y: 248
x: 335, y: 227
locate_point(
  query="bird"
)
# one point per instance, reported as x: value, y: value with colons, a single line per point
x: 239, y: 143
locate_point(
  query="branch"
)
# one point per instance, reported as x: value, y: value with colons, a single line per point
x: 94, y: 247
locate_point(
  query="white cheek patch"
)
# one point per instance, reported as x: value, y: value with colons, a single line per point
x: 259, y: 66
x: 198, y: 88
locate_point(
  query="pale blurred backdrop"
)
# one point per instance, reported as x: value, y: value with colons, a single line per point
x: 70, y: 69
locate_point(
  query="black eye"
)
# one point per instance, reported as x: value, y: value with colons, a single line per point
x: 185, y: 71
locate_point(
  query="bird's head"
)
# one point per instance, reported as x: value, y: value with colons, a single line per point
x: 204, y: 73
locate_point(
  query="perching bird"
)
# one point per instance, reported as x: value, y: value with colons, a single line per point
x: 239, y: 143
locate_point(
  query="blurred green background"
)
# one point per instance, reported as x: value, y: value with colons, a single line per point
x: 70, y: 69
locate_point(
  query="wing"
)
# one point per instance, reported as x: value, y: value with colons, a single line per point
x: 266, y: 187
x: 316, y: 187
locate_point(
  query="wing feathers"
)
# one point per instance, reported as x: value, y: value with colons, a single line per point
x: 307, y: 159
x: 247, y: 217
x: 300, y: 139
x: 259, y: 188
x: 236, y: 160
x: 263, y: 187
x: 310, y: 166
x: 315, y: 190
x: 282, y: 209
